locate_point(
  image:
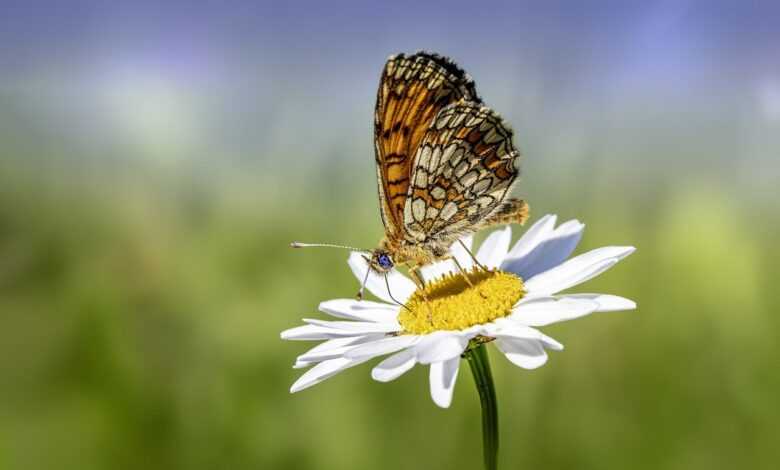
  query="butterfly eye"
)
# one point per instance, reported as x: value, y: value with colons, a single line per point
x: 385, y: 261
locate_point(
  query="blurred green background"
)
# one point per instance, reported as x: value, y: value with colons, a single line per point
x: 155, y: 161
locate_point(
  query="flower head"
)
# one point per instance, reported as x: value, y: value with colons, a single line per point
x: 502, y: 301
x: 458, y: 301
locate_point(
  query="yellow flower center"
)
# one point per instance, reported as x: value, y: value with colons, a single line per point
x: 455, y: 303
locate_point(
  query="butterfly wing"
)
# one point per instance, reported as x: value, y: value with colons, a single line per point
x: 412, y: 91
x: 464, y: 168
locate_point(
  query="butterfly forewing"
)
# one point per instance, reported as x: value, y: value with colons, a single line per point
x: 412, y: 91
x: 463, y: 169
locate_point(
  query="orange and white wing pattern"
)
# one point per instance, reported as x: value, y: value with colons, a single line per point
x: 412, y: 91
x: 464, y: 169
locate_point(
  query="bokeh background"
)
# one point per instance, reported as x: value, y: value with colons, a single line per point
x: 156, y: 159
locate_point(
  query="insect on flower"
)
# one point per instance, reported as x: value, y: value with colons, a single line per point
x: 445, y: 164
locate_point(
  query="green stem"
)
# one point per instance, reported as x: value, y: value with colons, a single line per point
x: 480, y: 369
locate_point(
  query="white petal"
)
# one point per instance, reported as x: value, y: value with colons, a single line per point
x: 355, y: 327
x: 333, y: 344
x: 442, y: 378
x: 314, y: 332
x: 577, y: 270
x: 492, y: 328
x: 322, y: 371
x: 384, y: 346
x: 401, y: 287
x: 533, y: 236
x: 440, y: 346
x: 512, y: 330
x: 548, y: 253
x: 607, y: 303
x: 394, y: 366
x: 528, y: 354
x: 365, y: 310
x: 543, y: 311
x: 494, y: 248
x: 334, y: 348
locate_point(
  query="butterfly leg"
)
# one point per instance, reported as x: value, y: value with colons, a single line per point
x: 414, y: 271
x: 463, y: 271
x: 474, y: 258
x: 418, y: 279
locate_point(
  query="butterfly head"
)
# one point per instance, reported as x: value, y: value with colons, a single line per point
x: 381, y: 261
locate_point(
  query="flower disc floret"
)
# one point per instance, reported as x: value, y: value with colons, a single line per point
x: 454, y: 302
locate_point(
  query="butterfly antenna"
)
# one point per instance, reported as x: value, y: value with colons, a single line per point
x: 327, y: 245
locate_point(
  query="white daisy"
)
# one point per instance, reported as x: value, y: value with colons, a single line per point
x: 503, y: 305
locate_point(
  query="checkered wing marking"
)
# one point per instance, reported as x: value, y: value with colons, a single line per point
x: 412, y: 91
x: 464, y: 168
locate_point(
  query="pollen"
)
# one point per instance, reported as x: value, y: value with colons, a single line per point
x: 460, y: 300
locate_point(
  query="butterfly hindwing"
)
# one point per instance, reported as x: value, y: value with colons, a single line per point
x: 412, y: 91
x: 463, y: 170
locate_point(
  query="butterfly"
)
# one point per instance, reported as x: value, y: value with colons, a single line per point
x: 445, y: 163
